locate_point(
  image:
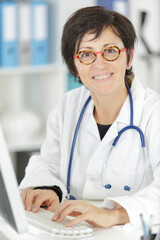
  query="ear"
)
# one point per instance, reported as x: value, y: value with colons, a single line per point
x: 130, y: 55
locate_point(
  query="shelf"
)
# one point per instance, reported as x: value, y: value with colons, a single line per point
x: 24, y: 146
x: 20, y: 70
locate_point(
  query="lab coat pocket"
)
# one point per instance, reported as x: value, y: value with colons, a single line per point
x: 127, y: 182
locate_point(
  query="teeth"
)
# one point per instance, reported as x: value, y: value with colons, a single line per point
x: 102, y: 77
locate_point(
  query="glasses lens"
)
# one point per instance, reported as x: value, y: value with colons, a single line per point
x: 86, y: 57
x: 111, y: 53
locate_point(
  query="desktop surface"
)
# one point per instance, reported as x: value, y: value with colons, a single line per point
x: 115, y: 233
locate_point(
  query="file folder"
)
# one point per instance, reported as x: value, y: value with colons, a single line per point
x: 8, y: 34
x: 120, y: 6
x: 24, y: 10
x: 39, y: 33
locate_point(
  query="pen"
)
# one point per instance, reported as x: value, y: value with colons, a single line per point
x: 158, y: 235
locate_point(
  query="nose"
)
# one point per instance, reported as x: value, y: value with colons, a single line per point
x: 99, y: 52
x: 99, y: 59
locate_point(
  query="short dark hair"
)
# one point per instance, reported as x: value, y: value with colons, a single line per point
x: 94, y: 20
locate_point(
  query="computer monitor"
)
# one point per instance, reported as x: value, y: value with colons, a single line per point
x: 11, y: 207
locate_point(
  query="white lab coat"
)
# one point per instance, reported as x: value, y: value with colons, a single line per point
x: 125, y: 165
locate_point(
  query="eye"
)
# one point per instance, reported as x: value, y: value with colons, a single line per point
x: 86, y: 54
x: 111, y: 50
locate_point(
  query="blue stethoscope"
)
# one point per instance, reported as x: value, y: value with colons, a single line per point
x: 131, y: 126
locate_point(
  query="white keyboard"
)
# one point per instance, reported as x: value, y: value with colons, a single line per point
x: 42, y: 220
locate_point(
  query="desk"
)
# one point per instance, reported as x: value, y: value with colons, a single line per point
x: 115, y: 233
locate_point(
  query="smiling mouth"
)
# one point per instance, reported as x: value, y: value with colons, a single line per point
x: 101, y: 77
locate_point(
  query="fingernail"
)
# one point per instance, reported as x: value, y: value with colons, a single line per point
x: 34, y: 209
x: 54, y: 217
x: 28, y: 208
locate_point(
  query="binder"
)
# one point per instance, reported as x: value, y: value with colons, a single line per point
x: 71, y: 84
x: 8, y: 34
x: 39, y: 33
x: 120, y: 6
x: 105, y: 3
x: 24, y: 19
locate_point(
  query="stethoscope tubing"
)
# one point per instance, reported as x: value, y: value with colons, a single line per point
x: 131, y: 126
x: 74, y: 143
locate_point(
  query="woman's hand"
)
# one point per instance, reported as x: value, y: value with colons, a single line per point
x: 34, y: 198
x: 84, y: 211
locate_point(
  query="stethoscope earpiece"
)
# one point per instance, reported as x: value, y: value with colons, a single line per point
x: 108, y: 186
x: 126, y: 188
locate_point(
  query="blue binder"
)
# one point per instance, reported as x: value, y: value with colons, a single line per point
x: 8, y: 34
x: 120, y: 6
x: 39, y: 33
x: 105, y: 3
x: 71, y: 84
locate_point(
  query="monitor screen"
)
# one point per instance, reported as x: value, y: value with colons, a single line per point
x: 11, y: 207
x: 5, y: 207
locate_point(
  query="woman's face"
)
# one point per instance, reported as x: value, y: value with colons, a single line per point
x: 102, y: 77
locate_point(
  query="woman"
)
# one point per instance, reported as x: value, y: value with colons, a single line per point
x: 97, y: 46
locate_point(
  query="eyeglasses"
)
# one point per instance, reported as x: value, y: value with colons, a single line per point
x: 109, y: 54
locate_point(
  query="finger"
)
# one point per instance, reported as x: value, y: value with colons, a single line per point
x: 23, y: 196
x: 77, y: 220
x: 53, y: 206
x: 60, y: 210
x: 74, y: 214
x: 69, y: 210
x: 31, y: 195
x: 39, y: 201
x: 48, y: 197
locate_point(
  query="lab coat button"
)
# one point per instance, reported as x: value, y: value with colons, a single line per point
x: 92, y: 179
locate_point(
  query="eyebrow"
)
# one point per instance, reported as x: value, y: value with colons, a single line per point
x: 105, y: 45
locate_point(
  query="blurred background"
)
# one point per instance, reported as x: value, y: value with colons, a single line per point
x: 33, y: 77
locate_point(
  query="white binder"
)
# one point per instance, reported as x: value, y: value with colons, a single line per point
x: 24, y: 33
x: 8, y: 34
x: 40, y: 33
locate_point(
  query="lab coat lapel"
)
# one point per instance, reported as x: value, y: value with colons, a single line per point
x: 91, y: 125
x: 111, y: 134
x: 93, y: 129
